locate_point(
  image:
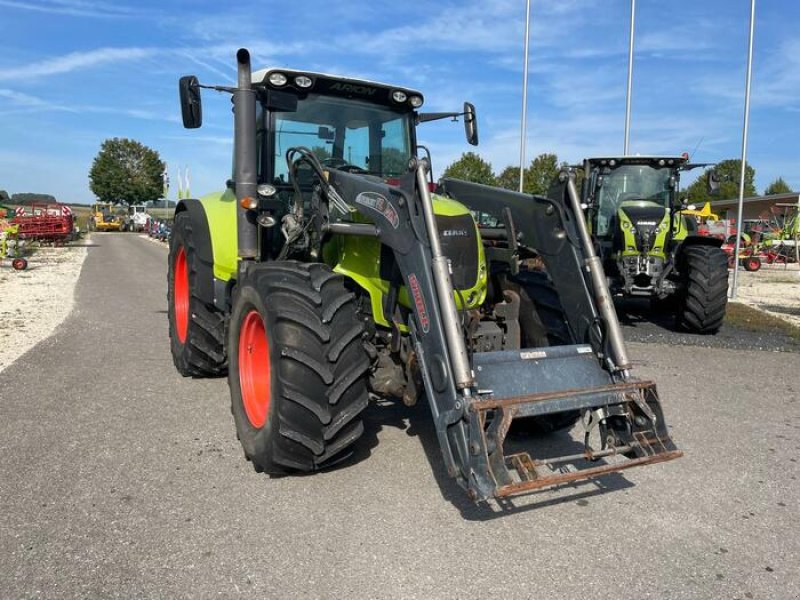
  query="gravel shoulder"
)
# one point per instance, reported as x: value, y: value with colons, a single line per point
x: 34, y: 302
x: 774, y: 290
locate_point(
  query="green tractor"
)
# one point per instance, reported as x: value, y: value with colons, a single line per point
x: 327, y: 273
x: 649, y: 248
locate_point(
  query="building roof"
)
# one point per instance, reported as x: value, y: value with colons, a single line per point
x: 788, y: 198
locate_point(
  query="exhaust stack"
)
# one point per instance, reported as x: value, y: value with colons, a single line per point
x: 245, y: 171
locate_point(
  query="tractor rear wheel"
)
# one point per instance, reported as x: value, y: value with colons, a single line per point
x: 297, y: 371
x: 196, y: 329
x: 705, y: 295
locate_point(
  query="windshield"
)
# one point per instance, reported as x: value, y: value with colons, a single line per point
x: 345, y: 133
x: 630, y: 183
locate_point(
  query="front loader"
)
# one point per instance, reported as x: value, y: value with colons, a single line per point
x: 328, y: 272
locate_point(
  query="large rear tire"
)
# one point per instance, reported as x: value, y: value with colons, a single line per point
x: 298, y: 367
x: 196, y: 329
x: 705, y: 295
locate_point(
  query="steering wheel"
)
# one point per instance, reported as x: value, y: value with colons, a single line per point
x: 342, y: 165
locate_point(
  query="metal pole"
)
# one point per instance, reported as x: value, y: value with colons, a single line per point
x: 523, y: 125
x: 630, y: 81
x: 745, y: 127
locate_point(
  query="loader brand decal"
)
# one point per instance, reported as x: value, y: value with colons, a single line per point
x: 647, y: 223
x: 361, y: 90
x: 379, y: 204
x: 419, y: 303
x: 532, y: 354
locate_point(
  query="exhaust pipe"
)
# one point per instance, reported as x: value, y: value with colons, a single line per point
x: 245, y: 175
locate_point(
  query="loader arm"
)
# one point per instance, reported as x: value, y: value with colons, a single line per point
x: 545, y: 228
x: 472, y: 415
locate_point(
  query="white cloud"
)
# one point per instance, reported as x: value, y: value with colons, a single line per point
x: 28, y: 101
x: 75, y: 61
x: 73, y: 8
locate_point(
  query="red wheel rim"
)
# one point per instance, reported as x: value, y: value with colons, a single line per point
x: 254, y: 368
x: 180, y: 297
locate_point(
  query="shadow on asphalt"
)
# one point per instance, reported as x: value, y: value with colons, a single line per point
x: 636, y: 312
x: 417, y: 422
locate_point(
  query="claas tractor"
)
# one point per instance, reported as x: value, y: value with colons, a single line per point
x: 648, y: 246
x: 328, y: 273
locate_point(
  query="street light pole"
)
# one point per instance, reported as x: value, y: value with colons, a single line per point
x: 523, y: 125
x: 630, y: 81
x: 745, y: 127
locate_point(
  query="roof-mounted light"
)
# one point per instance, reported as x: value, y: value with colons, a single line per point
x: 399, y: 96
x: 303, y: 81
x: 661, y: 162
x: 277, y: 79
x: 415, y: 101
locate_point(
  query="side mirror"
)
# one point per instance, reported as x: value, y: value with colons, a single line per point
x: 713, y: 183
x: 191, y: 106
x: 470, y: 124
x: 325, y: 133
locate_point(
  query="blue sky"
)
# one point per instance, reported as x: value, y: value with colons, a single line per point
x: 75, y: 72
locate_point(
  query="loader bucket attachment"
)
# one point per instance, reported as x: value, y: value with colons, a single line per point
x: 623, y: 422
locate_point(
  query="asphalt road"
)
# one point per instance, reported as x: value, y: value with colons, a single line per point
x: 121, y: 479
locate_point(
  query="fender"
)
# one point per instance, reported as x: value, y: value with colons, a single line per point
x: 692, y: 240
x: 202, y: 243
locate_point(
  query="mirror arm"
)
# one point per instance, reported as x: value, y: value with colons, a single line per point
x: 217, y: 88
x: 425, y: 117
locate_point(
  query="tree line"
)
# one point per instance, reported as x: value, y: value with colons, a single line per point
x: 545, y: 168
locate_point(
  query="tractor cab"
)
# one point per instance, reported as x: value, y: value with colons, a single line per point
x: 358, y: 126
x: 633, y: 196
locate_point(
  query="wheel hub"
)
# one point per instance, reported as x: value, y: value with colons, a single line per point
x: 181, y: 295
x: 254, y: 369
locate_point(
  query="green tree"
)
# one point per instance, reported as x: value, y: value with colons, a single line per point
x: 126, y: 171
x: 509, y: 178
x: 394, y: 162
x: 728, y: 172
x: 779, y: 186
x: 471, y: 167
x: 31, y: 198
x: 4, y: 197
x: 540, y: 174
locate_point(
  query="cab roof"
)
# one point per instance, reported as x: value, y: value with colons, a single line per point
x: 333, y: 85
x: 615, y: 161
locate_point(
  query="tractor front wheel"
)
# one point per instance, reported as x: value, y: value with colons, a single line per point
x: 297, y: 370
x: 705, y: 294
x: 196, y: 329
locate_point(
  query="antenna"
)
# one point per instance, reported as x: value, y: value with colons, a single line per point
x: 691, y: 154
